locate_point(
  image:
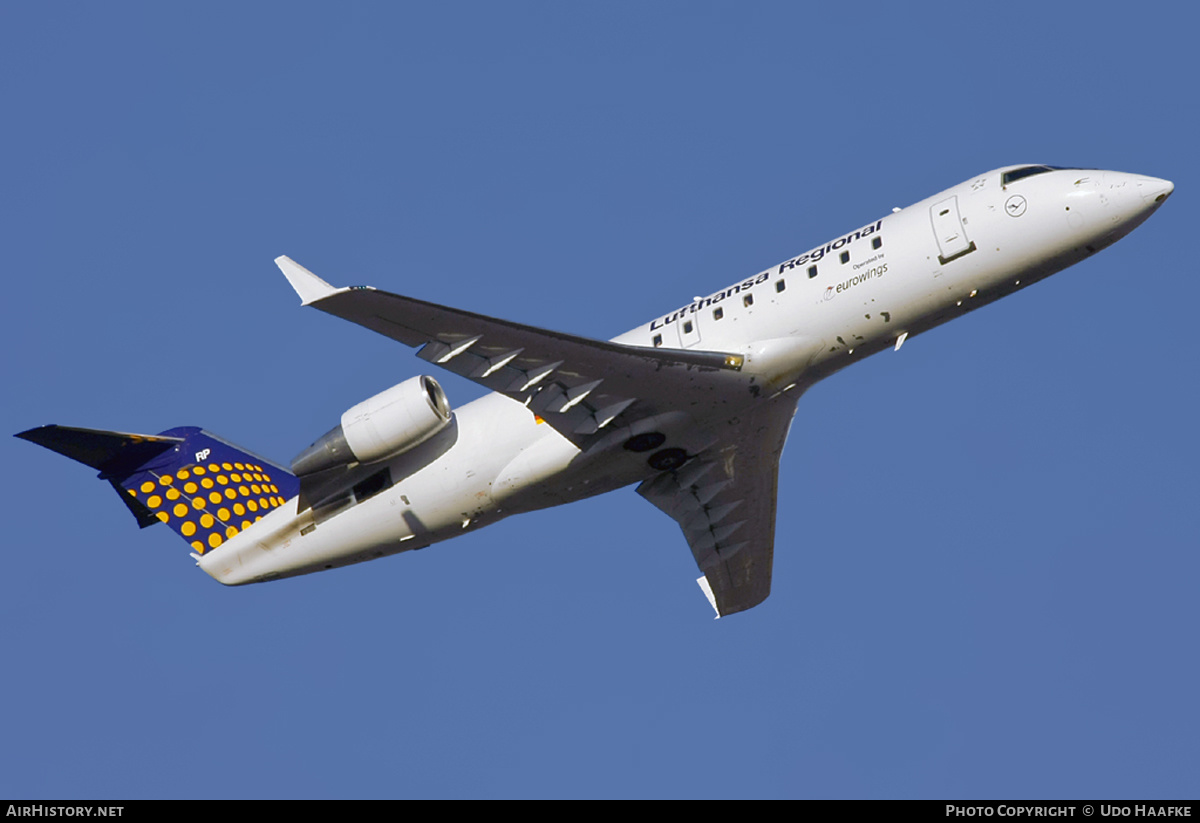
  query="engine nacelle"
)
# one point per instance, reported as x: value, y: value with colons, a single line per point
x: 383, y: 426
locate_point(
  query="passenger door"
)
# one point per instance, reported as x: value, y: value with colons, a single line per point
x: 949, y: 230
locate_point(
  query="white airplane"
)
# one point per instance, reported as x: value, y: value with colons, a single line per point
x: 694, y: 406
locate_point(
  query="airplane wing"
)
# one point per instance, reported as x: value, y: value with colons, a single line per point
x: 723, y: 497
x: 577, y: 385
x: 724, y: 500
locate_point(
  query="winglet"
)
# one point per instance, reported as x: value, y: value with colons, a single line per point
x: 708, y: 592
x: 310, y: 287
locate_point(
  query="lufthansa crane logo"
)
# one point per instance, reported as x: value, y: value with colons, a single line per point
x: 1015, y: 206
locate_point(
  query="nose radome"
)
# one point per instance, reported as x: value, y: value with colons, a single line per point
x: 1155, y: 190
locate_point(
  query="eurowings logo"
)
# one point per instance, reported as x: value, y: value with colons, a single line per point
x: 846, y: 285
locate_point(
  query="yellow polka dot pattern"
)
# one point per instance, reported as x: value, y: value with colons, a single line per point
x: 181, y: 500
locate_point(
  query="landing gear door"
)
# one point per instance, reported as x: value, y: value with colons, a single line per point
x: 949, y: 230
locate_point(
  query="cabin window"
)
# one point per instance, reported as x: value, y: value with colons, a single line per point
x: 687, y: 327
x: 780, y: 285
x: 748, y: 300
x: 657, y: 340
x: 718, y: 313
x: 812, y: 272
x: 877, y: 242
x: 845, y: 257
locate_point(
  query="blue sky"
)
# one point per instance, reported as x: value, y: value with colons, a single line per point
x: 986, y: 560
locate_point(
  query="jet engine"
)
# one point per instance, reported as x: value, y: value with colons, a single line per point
x: 383, y: 426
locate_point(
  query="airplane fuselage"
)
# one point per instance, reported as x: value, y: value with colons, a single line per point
x: 794, y: 324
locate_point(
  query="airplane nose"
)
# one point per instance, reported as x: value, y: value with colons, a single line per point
x: 1133, y: 196
x: 1151, y: 191
x: 1154, y: 190
x: 1123, y: 201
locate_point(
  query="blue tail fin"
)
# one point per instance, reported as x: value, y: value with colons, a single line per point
x: 205, y: 489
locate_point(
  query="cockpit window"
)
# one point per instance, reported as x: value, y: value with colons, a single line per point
x: 1026, y: 171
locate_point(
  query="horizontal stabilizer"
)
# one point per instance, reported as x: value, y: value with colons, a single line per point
x: 114, y: 454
